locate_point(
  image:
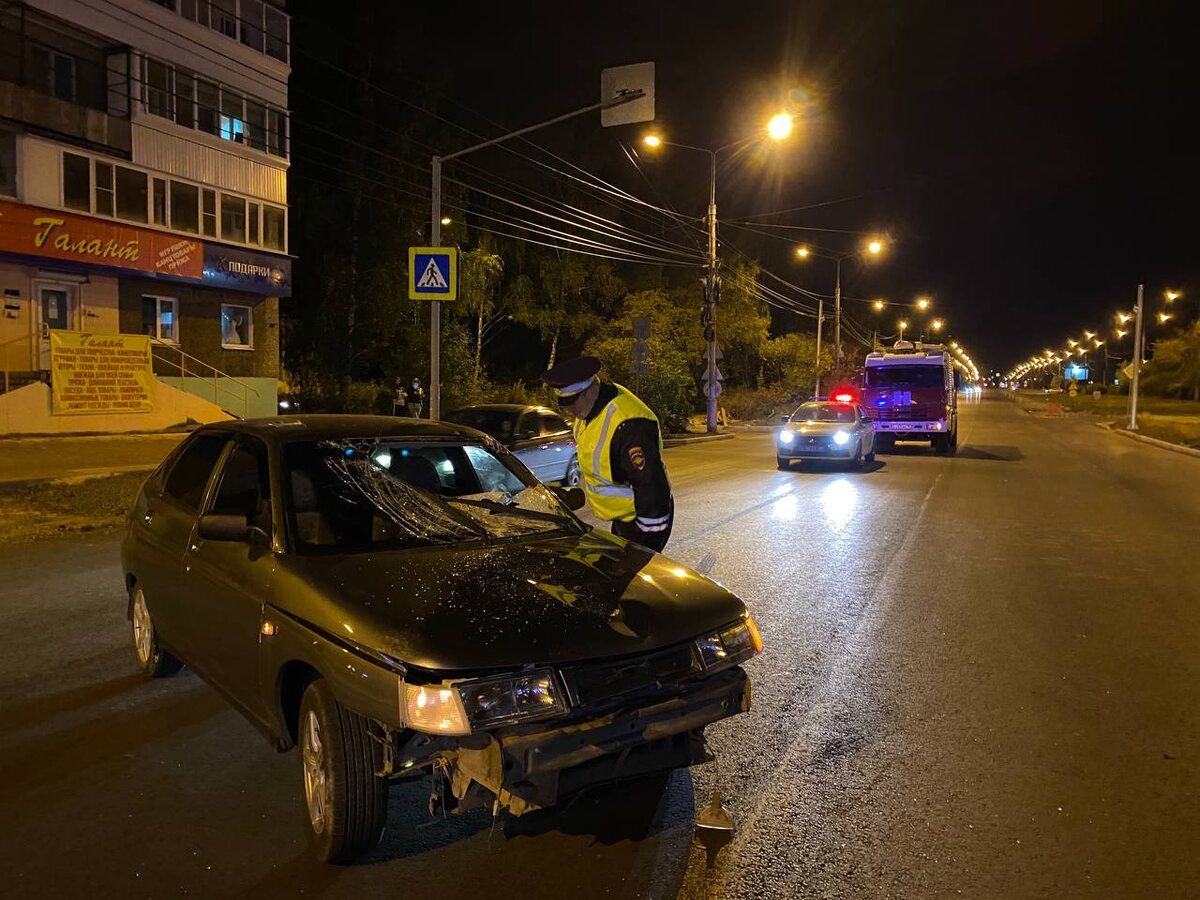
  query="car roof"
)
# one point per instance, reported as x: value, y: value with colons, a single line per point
x: 285, y: 429
x: 504, y: 407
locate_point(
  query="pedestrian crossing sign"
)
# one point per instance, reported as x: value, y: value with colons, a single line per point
x: 432, y: 273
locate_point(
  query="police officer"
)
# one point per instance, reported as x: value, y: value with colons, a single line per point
x: 620, y: 452
x: 416, y: 398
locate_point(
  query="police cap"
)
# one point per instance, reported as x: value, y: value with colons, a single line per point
x: 572, y: 376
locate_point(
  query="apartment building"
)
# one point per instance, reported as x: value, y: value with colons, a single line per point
x: 143, y: 186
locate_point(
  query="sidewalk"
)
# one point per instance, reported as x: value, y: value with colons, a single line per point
x: 40, y: 459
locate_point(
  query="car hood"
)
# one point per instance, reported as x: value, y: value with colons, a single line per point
x: 819, y: 428
x: 556, y: 600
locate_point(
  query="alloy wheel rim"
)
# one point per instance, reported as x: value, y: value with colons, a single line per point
x: 313, y: 753
x: 143, y: 630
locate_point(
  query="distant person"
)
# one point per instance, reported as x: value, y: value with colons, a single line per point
x: 620, y: 452
x: 399, y: 399
x: 416, y: 398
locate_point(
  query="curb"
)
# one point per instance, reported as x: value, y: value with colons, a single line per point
x: 76, y: 478
x: 698, y: 439
x: 754, y: 428
x: 1165, y: 445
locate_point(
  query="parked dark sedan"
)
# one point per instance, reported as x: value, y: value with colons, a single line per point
x: 537, y: 436
x: 402, y: 600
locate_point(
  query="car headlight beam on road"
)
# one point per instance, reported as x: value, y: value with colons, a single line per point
x: 786, y: 437
x: 841, y: 438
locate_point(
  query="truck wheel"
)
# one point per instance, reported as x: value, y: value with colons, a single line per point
x: 345, y: 800
x: 885, y: 444
x: 782, y: 464
x: 154, y: 660
x: 941, y: 443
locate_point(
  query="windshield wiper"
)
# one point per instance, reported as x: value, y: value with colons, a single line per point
x: 505, y: 509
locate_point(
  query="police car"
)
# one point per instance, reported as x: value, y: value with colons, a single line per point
x: 835, y: 429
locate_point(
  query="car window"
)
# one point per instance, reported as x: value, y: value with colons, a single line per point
x: 905, y: 376
x: 496, y: 422
x: 191, y: 471
x: 245, y: 484
x: 358, y: 495
x: 552, y: 424
x: 823, y: 412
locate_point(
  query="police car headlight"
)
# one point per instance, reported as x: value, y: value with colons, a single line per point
x: 841, y: 437
x: 786, y: 437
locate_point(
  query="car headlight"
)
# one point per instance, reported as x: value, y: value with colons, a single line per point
x: 841, y: 437
x: 731, y: 645
x: 786, y: 437
x: 511, y: 698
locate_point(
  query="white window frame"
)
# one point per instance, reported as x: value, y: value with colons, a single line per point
x: 249, y: 345
x: 259, y: 203
x: 158, y: 311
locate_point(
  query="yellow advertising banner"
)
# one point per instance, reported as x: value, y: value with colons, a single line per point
x: 100, y: 373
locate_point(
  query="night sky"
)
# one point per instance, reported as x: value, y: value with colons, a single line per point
x: 1030, y: 161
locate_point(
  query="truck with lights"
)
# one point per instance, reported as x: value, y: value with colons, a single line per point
x: 910, y: 394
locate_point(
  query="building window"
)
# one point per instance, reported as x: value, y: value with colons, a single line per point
x: 252, y: 224
x: 277, y: 143
x: 223, y: 17
x: 104, y: 188
x: 277, y: 34
x: 158, y: 89
x: 132, y: 196
x: 158, y: 318
x: 273, y: 227
x: 208, y: 217
x: 77, y: 182
x: 8, y: 162
x: 237, y: 327
x: 208, y: 102
x: 233, y: 218
x: 256, y: 125
x: 185, y: 207
x: 160, y: 202
x: 53, y: 72
x: 252, y: 22
x: 233, y: 116
x: 185, y: 99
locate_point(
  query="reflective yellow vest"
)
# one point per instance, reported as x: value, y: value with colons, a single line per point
x: 610, y: 501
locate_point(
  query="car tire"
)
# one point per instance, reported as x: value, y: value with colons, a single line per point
x: 573, y: 474
x: 154, y: 660
x: 345, y: 800
x: 870, y: 457
x: 783, y: 465
x: 857, y: 461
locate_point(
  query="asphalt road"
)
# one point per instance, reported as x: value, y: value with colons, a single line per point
x: 981, y: 679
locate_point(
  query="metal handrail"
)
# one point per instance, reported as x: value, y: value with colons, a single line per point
x: 182, y: 365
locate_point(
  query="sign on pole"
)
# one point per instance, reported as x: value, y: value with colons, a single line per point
x: 623, y: 81
x: 432, y: 273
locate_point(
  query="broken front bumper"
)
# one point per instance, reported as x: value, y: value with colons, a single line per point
x: 527, y: 767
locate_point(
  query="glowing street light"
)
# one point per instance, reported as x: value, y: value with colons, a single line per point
x: 923, y: 303
x: 1121, y: 333
x: 1099, y: 343
x: 780, y: 126
x: 903, y: 324
x: 875, y: 247
x: 1172, y: 295
x: 878, y: 306
x: 803, y: 252
x: 1123, y: 317
x: 936, y: 324
x: 446, y: 220
x: 1163, y: 318
x: 1088, y: 334
x: 1071, y: 342
x: 652, y: 140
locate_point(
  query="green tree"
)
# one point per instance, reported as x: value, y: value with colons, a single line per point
x: 1175, y: 367
x: 479, y: 276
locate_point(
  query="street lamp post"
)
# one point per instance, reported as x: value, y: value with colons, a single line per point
x: 778, y: 128
x: 1137, y: 361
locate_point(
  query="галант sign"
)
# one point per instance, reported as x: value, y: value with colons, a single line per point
x: 100, y: 373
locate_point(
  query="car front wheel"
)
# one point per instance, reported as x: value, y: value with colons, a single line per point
x: 345, y: 799
x: 154, y: 660
x: 782, y: 464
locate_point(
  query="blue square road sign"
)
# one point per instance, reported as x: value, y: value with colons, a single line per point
x: 433, y: 273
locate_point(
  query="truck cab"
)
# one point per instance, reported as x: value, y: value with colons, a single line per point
x: 910, y: 394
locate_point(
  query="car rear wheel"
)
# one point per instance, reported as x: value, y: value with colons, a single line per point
x: 345, y: 800
x: 154, y: 660
x: 782, y: 463
x: 571, y: 479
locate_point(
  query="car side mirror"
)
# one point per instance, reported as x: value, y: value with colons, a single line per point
x: 573, y: 497
x: 526, y: 435
x: 867, y: 420
x: 785, y: 419
x: 225, y: 527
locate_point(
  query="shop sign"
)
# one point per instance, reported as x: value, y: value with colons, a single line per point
x: 32, y: 231
x: 100, y: 373
x: 245, y: 270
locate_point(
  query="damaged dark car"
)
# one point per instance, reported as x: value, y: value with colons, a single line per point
x: 403, y: 600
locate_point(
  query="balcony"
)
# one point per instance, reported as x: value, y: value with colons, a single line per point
x: 56, y: 82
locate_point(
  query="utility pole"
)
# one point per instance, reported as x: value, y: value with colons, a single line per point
x: 1137, y: 361
x: 435, y: 309
x: 837, y: 313
x: 820, y: 319
x: 712, y: 287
